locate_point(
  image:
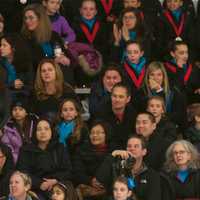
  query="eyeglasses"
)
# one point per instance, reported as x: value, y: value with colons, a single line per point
x: 31, y: 18
x: 179, y: 152
x: 97, y: 133
x: 129, y: 17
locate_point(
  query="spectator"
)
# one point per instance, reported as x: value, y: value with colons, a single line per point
x: 49, y: 161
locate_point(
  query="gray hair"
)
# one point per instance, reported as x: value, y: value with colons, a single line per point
x: 194, y: 163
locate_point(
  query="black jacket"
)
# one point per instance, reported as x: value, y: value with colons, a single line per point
x: 86, y: 161
x: 147, y: 181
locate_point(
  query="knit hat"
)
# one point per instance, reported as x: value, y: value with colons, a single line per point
x: 21, y: 103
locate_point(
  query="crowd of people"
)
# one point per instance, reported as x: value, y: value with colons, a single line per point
x: 140, y: 60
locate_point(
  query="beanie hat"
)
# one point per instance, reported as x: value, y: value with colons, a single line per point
x: 21, y: 103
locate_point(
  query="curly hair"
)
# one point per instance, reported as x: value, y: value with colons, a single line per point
x: 194, y: 162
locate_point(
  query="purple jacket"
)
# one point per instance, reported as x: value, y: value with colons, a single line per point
x: 62, y: 27
x: 12, y: 138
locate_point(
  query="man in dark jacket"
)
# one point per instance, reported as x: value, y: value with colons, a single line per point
x: 144, y: 181
x: 119, y: 114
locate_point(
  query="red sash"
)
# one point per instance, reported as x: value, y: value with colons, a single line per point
x: 137, y: 81
x: 107, y: 5
x: 187, y: 74
x: 170, y: 67
x: 141, y: 15
x: 178, y: 30
x: 90, y: 35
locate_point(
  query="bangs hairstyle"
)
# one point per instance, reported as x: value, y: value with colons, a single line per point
x: 43, y: 31
x: 150, y: 116
x: 39, y: 84
x: 153, y: 66
x: 157, y: 98
x: 170, y: 164
x: 76, y: 136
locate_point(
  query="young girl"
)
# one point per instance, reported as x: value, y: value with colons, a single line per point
x: 71, y: 128
x: 174, y: 22
x: 181, y: 72
x: 19, y: 128
x: 89, y: 28
x: 130, y: 27
x: 121, y: 189
x: 164, y: 126
x: 59, y: 23
x: 156, y: 84
x: 63, y: 191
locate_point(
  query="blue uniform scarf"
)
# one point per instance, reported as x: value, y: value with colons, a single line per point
x: 89, y: 22
x: 182, y: 175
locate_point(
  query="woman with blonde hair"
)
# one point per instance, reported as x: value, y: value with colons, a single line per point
x: 20, y: 187
x: 50, y: 88
x: 43, y: 42
x: 156, y: 84
x: 182, y: 169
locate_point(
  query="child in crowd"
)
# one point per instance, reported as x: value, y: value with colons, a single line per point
x: 122, y: 189
x: 19, y: 128
x: 174, y: 22
x: 134, y: 65
x: 63, y: 191
x: 89, y: 29
x: 130, y: 27
x: 59, y: 23
x: 181, y: 72
x: 164, y: 126
x: 193, y: 132
x: 71, y: 129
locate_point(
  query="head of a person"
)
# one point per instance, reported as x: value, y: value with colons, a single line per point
x: 132, y: 3
x: 69, y: 110
x: 36, y: 23
x: 88, y: 9
x: 63, y: 191
x: 130, y: 18
x: 179, y: 51
x: 134, y: 51
x: 120, y: 96
x: 110, y: 76
x: 145, y: 124
x: 20, y: 184
x: 99, y: 133
x: 156, y: 106
x: 182, y: 155
x: 19, y: 109
x: 52, y: 6
x: 157, y: 72
x: 1, y: 23
x: 121, y: 190
x: 48, y: 72
x: 136, y: 145
x: 44, y: 133
x: 173, y: 5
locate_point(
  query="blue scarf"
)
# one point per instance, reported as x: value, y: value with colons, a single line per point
x: 177, y: 13
x: 65, y: 130
x: 131, y: 183
x: 139, y: 66
x: 89, y: 22
x: 182, y: 175
x: 10, y: 69
x: 132, y: 35
x: 47, y: 49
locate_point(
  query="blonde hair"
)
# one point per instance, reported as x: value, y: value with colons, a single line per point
x: 158, y: 98
x: 40, y: 89
x: 43, y: 31
x: 153, y: 66
x: 76, y: 136
x: 170, y: 164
